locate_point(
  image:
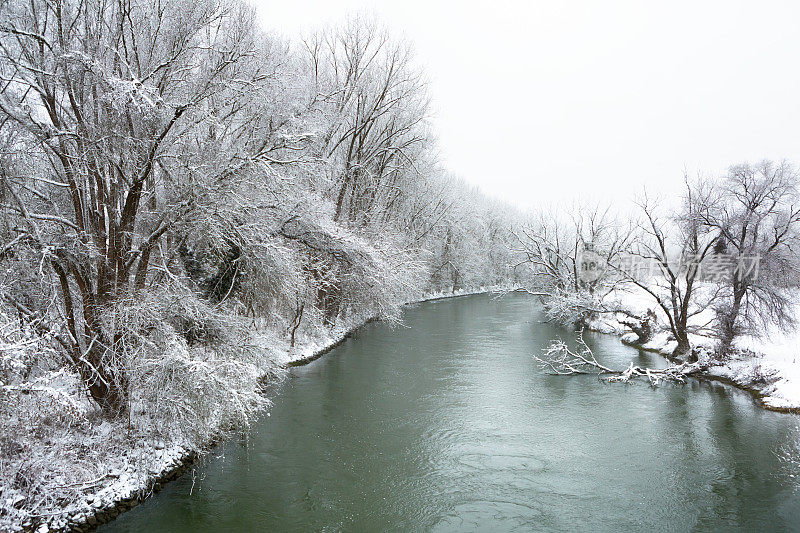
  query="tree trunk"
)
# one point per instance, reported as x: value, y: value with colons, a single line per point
x: 684, y: 349
x: 727, y: 324
x: 642, y: 326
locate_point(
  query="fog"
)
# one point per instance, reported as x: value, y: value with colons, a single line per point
x: 546, y: 101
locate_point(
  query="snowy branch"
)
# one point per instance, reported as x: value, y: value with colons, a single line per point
x: 560, y: 359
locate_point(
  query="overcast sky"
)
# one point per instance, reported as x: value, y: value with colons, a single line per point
x: 549, y: 101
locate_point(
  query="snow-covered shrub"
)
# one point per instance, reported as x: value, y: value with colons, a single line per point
x: 43, y: 414
x: 30, y: 371
x: 16, y: 355
x: 193, y: 371
x: 758, y: 374
x: 350, y: 274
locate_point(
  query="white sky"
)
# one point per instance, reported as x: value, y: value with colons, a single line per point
x: 550, y: 101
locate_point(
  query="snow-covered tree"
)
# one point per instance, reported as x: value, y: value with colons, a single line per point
x: 755, y: 209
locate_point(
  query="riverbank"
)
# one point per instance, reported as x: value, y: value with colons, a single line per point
x: 127, y: 468
x: 767, y: 366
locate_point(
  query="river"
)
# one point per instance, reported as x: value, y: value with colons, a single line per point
x: 446, y: 423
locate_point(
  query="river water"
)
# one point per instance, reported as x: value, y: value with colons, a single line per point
x: 447, y: 424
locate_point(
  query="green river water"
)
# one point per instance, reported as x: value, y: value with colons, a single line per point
x: 446, y: 423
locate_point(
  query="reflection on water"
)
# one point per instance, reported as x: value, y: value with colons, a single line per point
x: 449, y: 425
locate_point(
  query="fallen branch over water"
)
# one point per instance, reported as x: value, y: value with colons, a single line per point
x: 559, y: 359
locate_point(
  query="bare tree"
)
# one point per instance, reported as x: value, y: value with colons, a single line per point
x: 756, y: 212
x: 552, y: 248
x: 104, y: 100
x: 378, y: 102
x: 667, y: 255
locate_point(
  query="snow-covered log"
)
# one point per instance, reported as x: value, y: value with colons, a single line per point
x: 560, y: 359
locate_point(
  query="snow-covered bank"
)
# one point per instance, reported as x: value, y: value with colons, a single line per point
x: 126, y: 468
x: 766, y: 366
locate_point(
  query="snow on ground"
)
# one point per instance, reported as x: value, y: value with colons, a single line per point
x: 769, y: 365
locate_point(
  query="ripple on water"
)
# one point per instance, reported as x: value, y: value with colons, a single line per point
x: 503, y: 462
x: 491, y: 515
